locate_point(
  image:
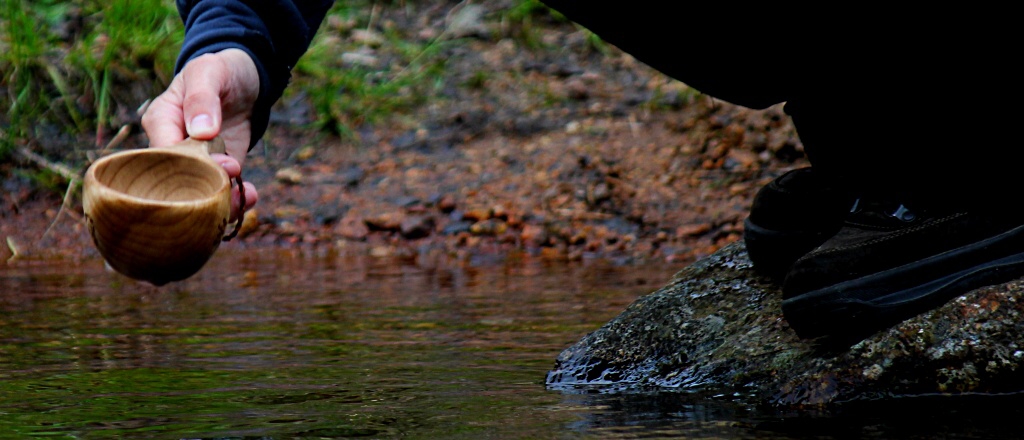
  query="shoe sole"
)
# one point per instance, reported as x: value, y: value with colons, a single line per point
x: 866, y: 304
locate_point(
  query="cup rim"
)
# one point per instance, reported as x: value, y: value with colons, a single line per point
x: 97, y: 184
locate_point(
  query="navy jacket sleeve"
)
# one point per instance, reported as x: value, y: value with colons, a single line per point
x: 275, y: 33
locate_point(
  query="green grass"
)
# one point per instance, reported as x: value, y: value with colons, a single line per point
x: 135, y: 39
x: 22, y: 50
x: 346, y: 95
x: 409, y: 71
x: 60, y: 60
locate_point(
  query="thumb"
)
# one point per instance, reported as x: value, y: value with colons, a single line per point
x: 204, y: 83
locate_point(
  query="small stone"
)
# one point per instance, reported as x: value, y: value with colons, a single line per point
x: 599, y: 193
x: 577, y: 89
x: 456, y: 227
x: 499, y: 211
x: 489, y: 227
x: 552, y: 253
x: 305, y: 153
x: 290, y: 175
x: 385, y: 222
x: 446, y: 204
x: 468, y: 21
x: 416, y: 226
x: 693, y: 230
x: 250, y: 221
x: 289, y: 212
x: 382, y: 251
x: 359, y: 59
x: 477, y: 214
x: 351, y: 176
x: 352, y: 228
x: 367, y: 37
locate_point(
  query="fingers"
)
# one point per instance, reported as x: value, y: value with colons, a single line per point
x: 251, y: 196
x: 164, y: 121
x: 236, y: 140
x: 191, y: 106
x: 205, y: 80
x: 241, y: 88
x: 250, y: 199
x: 213, y: 95
x: 234, y: 169
x: 230, y: 164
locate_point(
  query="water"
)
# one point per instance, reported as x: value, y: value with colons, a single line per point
x: 303, y: 344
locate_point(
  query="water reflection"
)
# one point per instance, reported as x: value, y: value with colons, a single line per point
x: 305, y: 343
x: 284, y: 343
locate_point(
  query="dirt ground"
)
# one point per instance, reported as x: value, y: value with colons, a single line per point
x: 566, y: 152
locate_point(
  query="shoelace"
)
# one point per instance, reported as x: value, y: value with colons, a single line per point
x: 901, y: 212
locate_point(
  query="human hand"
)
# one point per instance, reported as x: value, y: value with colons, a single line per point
x: 213, y: 95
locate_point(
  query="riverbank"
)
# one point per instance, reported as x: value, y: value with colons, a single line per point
x: 556, y: 150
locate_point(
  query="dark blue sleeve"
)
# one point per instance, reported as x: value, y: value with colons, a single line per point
x: 275, y: 33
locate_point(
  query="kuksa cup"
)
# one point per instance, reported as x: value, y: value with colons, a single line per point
x: 158, y: 214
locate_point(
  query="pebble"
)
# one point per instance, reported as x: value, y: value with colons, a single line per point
x: 289, y: 175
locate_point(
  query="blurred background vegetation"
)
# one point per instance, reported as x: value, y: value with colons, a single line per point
x: 75, y: 74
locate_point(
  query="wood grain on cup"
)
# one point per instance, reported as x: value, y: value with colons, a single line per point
x: 158, y: 214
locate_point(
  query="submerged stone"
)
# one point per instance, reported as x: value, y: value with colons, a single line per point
x: 717, y: 324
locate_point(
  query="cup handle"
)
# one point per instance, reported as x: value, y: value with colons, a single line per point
x: 216, y: 145
x: 240, y: 216
x: 195, y: 146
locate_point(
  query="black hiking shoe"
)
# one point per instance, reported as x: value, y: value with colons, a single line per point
x: 889, y: 262
x: 791, y: 215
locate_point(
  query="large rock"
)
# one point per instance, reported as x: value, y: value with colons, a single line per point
x: 719, y: 325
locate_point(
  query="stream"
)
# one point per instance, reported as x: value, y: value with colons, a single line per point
x: 287, y: 343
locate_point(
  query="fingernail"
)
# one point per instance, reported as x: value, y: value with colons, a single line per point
x: 201, y: 125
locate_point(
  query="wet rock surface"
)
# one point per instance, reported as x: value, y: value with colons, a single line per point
x: 718, y: 325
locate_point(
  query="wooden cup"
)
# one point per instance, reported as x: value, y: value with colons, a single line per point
x: 158, y: 214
